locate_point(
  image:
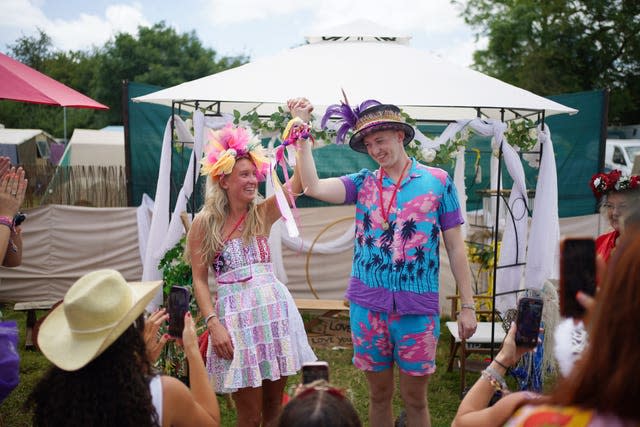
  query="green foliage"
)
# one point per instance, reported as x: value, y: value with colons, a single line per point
x: 156, y: 55
x: 557, y: 46
x: 175, y: 270
x: 276, y: 123
x: 522, y: 134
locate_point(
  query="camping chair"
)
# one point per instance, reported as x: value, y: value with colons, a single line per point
x: 479, y: 343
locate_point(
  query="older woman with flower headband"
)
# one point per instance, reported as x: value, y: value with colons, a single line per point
x: 616, y: 193
x: 256, y: 334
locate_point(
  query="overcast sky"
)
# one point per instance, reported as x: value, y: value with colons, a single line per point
x: 256, y: 28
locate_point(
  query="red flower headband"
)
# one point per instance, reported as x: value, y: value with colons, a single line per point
x: 603, y: 183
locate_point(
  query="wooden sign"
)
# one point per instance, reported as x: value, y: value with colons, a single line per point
x: 329, y: 332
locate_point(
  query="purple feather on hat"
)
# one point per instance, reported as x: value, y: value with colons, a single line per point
x: 347, y: 116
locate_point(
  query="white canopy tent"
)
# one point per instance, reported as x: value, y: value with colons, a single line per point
x: 368, y: 62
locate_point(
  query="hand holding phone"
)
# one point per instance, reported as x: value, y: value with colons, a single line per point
x: 315, y: 371
x: 179, y: 298
x: 577, y: 273
x: 528, y: 321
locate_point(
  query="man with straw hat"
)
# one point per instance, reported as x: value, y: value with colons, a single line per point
x: 401, y: 208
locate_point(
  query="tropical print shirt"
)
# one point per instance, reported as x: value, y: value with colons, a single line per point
x: 396, y: 269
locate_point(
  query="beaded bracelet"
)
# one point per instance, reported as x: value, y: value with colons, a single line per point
x: 496, y: 380
x: 5, y: 220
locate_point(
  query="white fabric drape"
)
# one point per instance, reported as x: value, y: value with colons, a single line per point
x: 544, y: 238
x: 162, y: 239
x: 514, y: 239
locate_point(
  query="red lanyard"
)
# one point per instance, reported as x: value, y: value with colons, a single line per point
x: 235, y: 227
x: 385, y: 215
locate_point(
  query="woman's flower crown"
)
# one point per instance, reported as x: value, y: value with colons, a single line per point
x: 226, y: 146
x: 603, y: 183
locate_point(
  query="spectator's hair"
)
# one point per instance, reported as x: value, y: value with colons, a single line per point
x: 606, y: 377
x: 319, y: 405
x: 111, y: 390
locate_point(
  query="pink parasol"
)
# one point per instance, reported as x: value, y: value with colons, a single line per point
x: 20, y: 82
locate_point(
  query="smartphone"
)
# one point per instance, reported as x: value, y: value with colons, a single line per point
x: 315, y: 371
x: 179, y: 299
x: 577, y: 273
x: 528, y: 321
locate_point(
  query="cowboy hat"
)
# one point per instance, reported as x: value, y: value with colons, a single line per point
x: 378, y: 118
x: 96, y: 310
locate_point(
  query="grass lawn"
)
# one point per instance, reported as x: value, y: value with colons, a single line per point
x: 443, y: 388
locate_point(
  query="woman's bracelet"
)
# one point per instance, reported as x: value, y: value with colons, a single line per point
x: 5, y: 220
x: 496, y: 380
x: 209, y: 317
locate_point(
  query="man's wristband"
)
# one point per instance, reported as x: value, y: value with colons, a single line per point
x: 468, y: 306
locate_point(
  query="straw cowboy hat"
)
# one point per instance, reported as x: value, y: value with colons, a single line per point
x: 96, y: 310
x: 377, y: 118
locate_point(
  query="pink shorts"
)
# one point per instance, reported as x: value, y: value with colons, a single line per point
x: 380, y: 339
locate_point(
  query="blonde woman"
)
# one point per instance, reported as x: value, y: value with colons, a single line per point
x: 256, y: 335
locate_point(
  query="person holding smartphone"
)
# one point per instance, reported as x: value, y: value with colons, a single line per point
x: 256, y: 334
x: 603, y: 386
x: 102, y: 371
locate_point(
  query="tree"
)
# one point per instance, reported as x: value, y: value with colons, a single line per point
x: 555, y: 46
x: 157, y: 56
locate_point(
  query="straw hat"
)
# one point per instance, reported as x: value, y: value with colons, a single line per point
x: 96, y: 310
x: 378, y: 118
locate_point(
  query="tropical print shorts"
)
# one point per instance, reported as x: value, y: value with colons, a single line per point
x: 382, y: 339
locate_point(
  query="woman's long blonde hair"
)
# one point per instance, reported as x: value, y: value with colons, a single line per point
x: 213, y: 214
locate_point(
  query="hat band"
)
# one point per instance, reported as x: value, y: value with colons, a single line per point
x: 92, y: 331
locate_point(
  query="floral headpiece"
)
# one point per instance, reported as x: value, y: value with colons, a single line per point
x: 229, y: 144
x: 603, y: 183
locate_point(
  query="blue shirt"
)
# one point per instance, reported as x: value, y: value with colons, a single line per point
x: 396, y: 270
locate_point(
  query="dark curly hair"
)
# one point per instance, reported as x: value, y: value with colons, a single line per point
x: 112, y: 390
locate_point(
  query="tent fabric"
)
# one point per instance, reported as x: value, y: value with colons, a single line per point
x: 425, y: 86
x: 89, y: 147
x: 61, y: 243
x: 20, y: 82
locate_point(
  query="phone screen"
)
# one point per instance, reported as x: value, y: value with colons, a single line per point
x: 528, y: 321
x: 577, y: 273
x: 178, y: 305
x: 315, y: 371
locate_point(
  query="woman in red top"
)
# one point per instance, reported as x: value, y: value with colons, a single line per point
x: 616, y: 192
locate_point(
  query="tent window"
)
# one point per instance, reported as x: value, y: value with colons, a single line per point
x: 43, y: 149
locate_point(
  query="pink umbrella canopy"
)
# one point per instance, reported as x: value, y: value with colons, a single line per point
x: 20, y: 82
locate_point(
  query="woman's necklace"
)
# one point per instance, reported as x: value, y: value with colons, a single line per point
x: 385, y: 215
x: 239, y: 226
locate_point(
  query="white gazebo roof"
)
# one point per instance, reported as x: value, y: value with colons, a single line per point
x: 373, y: 65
